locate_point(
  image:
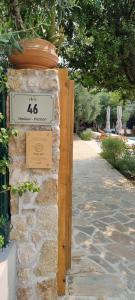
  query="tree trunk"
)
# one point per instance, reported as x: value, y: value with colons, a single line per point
x: 15, y: 10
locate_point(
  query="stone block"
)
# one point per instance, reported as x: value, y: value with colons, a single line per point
x: 18, y: 162
x: 26, y: 254
x: 17, y: 145
x: 46, y: 290
x: 48, y: 192
x: 25, y: 293
x: 31, y: 219
x: 19, y: 231
x: 14, y: 205
x: 18, y: 175
x: 28, y: 200
x: 24, y: 275
x: 47, y: 219
x: 37, y: 237
x: 47, y: 260
x: 28, y: 80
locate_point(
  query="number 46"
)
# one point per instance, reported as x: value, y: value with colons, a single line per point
x: 33, y: 110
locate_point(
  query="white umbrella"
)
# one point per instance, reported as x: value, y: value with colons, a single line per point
x: 108, y: 118
x: 119, y: 120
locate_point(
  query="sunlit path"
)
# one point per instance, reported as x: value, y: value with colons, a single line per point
x: 103, y: 253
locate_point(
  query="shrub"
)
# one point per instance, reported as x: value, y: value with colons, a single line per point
x: 126, y: 166
x: 113, y: 149
x: 1, y: 241
x: 86, y: 135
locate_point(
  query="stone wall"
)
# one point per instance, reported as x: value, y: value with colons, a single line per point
x: 35, y: 216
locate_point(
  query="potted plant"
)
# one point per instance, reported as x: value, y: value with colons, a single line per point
x: 36, y: 54
x: 35, y: 28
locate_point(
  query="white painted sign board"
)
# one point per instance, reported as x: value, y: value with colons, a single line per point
x: 29, y: 108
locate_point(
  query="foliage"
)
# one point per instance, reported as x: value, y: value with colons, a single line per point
x: 100, y: 45
x: 21, y: 188
x: 86, y: 106
x: 42, y: 18
x: 98, y: 37
x: 8, y: 42
x: 6, y: 133
x: 5, y: 228
x: 4, y: 165
x: 128, y: 112
x: 1, y: 117
x: 113, y: 99
x: 126, y: 166
x: 3, y: 221
x: 113, y: 149
x: 86, y: 135
x: 3, y: 80
x: 118, y: 154
x: 1, y: 241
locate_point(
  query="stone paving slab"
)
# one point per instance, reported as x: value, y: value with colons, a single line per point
x: 95, y: 285
x: 103, y: 248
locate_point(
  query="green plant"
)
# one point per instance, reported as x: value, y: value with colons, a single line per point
x: 1, y: 241
x: 6, y: 133
x: 113, y: 148
x: 5, y: 228
x: 3, y: 220
x: 4, y: 164
x: 120, y: 156
x: 3, y: 80
x: 42, y: 19
x: 18, y: 189
x: 86, y: 135
x: 87, y: 107
x: 21, y: 188
x: 100, y: 46
x: 126, y: 166
x: 8, y: 42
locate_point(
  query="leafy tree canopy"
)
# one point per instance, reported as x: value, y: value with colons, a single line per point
x: 41, y: 18
x: 87, y: 107
x: 113, y: 99
x: 100, y: 46
x: 98, y: 36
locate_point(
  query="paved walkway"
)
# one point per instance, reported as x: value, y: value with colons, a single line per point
x: 103, y: 254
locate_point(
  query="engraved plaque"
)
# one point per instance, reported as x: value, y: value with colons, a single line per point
x: 29, y: 108
x: 39, y: 149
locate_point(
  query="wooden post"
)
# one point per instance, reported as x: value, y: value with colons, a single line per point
x: 65, y: 177
x: 62, y: 189
x: 70, y: 170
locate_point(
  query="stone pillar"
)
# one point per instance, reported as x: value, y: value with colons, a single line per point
x: 35, y: 216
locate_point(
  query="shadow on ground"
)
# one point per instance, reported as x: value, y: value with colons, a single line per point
x: 103, y: 252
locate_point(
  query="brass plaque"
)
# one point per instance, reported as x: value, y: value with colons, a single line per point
x: 30, y: 108
x: 39, y: 149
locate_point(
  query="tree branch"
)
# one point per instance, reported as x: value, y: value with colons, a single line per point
x: 15, y: 10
